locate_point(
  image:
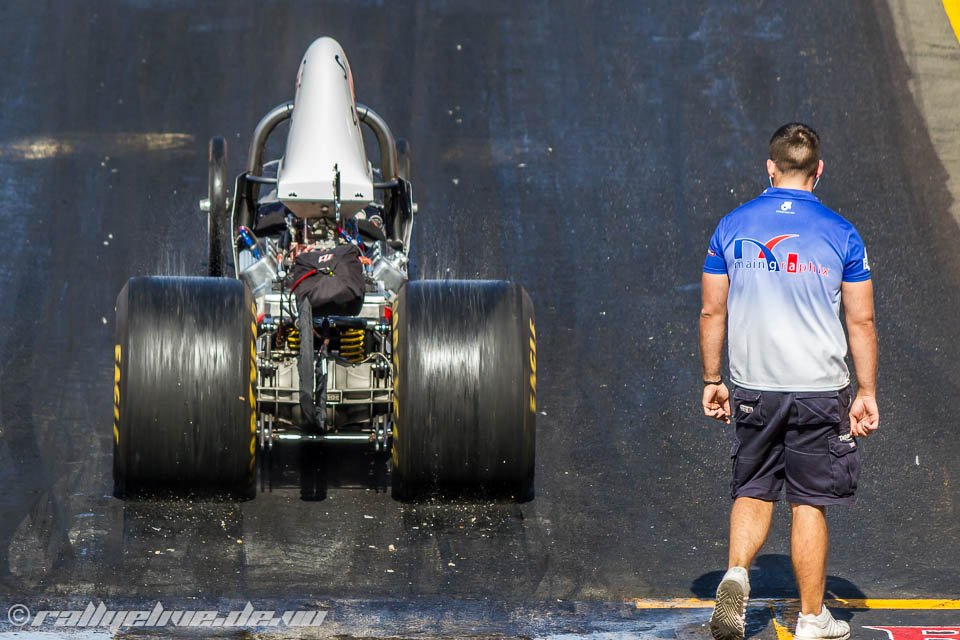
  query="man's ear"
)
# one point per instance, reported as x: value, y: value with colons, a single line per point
x: 819, y: 169
x: 771, y: 168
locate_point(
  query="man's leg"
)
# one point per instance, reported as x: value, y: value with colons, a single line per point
x: 757, y: 472
x: 809, y: 544
x: 749, y: 525
x: 821, y: 468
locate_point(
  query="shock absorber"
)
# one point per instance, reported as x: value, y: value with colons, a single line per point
x: 293, y: 339
x: 351, y: 345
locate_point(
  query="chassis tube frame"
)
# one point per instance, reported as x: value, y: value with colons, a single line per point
x: 381, y: 130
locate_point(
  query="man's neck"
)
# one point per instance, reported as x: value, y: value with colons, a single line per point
x: 800, y: 184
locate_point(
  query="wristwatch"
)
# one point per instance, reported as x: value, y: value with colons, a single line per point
x: 707, y: 383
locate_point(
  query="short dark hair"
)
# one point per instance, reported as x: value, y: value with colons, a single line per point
x: 795, y: 148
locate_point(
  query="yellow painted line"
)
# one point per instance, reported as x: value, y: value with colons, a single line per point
x: 932, y: 604
x: 952, y: 7
x: 672, y: 603
x: 873, y: 603
x: 776, y: 605
x: 782, y: 632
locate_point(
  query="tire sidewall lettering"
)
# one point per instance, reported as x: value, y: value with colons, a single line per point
x: 533, y: 367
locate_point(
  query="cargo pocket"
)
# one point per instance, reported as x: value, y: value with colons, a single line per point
x: 844, y: 464
x: 734, y: 482
x: 746, y: 407
x: 818, y: 409
x: 734, y: 450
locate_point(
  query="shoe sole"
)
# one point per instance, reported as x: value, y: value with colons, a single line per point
x: 845, y: 636
x: 727, y: 621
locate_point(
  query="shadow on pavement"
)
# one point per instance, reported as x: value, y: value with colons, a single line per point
x: 315, y: 468
x: 771, y: 577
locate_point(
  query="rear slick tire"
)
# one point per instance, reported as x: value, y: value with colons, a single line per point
x: 184, y: 377
x: 464, y: 417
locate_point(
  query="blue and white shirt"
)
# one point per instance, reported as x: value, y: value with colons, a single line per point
x: 786, y: 256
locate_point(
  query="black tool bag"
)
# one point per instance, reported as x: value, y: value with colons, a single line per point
x: 331, y: 280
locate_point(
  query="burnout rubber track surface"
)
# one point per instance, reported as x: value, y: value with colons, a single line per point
x: 586, y: 152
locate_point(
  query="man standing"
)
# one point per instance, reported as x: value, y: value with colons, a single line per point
x: 776, y: 272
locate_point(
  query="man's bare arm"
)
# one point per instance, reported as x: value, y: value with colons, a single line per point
x: 713, y: 327
x: 857, y: 300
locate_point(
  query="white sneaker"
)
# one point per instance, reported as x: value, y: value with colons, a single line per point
x: 730, y: 611
x: 811, y: 627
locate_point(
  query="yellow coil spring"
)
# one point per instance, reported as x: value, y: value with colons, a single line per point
x: 293, y: 339
x: 351, y: 345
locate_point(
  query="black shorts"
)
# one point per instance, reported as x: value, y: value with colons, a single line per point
x: 801, y: 437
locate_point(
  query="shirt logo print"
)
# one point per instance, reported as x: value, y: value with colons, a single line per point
x: 766, y: 260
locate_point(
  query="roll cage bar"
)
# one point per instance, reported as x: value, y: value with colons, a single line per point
x: 398, y: 201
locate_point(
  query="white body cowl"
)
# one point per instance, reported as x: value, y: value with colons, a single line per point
x: 324, y: 139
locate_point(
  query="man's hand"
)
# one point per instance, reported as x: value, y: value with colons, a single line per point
x: 716, y: 402
x: 864, y: 416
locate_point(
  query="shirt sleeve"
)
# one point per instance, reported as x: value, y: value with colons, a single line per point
x: 856, y: 267
x: 715, y: 262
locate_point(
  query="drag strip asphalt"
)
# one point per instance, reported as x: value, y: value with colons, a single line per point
x: 586, y: 150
